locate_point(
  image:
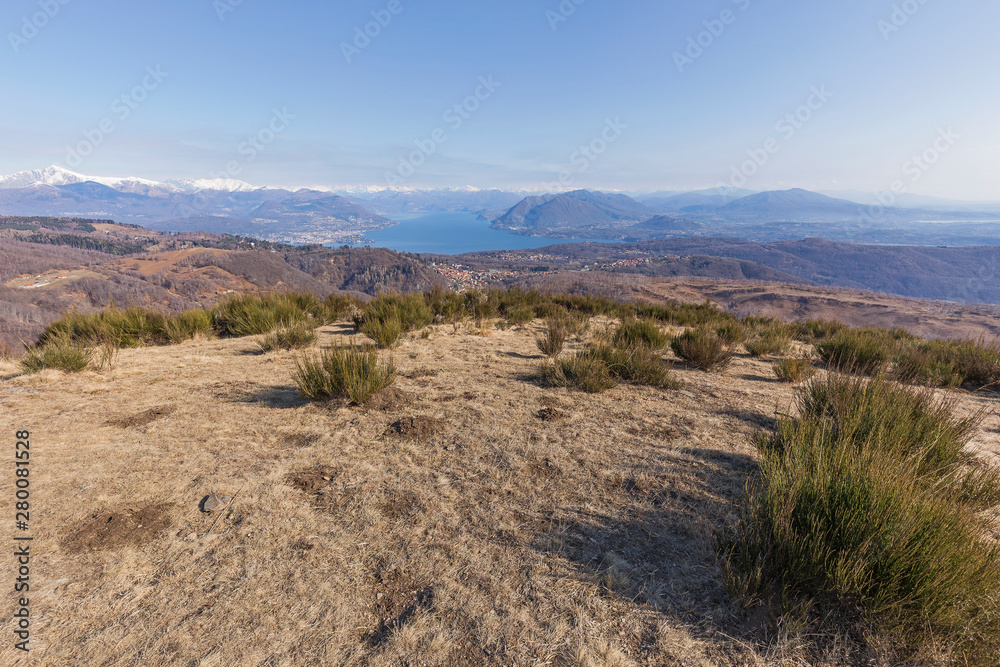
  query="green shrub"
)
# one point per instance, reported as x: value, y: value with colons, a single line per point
x: 343, y: 371
x: 63, y: 355
x: 551, y: 344
x: 703, y: 349
x: 337, y: 307
x: 386, y: 333
x: 640, y: 333
x: 189, y: 324
x: 520, y: 315
x: 289, y: 338
x: 794, y: 370
x: 731, y: 333
x: 251, y: 315
x: 638, y: 365
x: 865, y: 351
x: 770, y: 343
x: 584, y: 371
x: 387, y: 313
x: 861, y: 512
x: 813, y: 331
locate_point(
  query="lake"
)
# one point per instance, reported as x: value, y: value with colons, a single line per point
x: 452, y: 234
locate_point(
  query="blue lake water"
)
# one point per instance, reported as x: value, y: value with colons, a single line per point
x: 452, y: 234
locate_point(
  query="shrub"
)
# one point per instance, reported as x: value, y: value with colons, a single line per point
x: 551, y: 344
x: 731, y: 333
x: 340, y: 306
x: 638, y: 365
x: 813, y: 331
x: 520, y: 315
x: 861, y: 512
x: 386, y: 333
x: 63, y: 355
x: 390, y: 313
x: 703, y: 349
x: 289, y: 338
x: 343, y: 371
x: 865, y: 351
x: 794, y: 370
x: 640, y: 333
x: 584, y: 371
x: 250, y: 315
x: 768, y: 344
x: 189, y: 324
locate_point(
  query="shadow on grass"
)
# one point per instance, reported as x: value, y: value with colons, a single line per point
x: 758, y: 419
x: 658, y: 548
x: 276, y: 397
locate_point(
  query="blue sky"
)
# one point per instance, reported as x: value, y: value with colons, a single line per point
x: 894, y: 78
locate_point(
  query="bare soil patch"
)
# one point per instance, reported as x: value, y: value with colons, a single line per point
x: 119, y: 528
x: 144, y: 418
x: 417, y: 428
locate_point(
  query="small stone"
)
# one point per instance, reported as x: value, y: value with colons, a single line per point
x: 213, y: 502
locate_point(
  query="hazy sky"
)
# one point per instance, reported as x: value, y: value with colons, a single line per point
x: 176, y: 90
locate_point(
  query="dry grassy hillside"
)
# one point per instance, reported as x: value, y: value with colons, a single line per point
x: 469, y: 516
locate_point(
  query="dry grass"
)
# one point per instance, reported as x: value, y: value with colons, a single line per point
x: 497, y: 538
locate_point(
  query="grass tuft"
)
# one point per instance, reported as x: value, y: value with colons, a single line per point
x: 633, y: 333
x: 343, y: 371
x: 865, y: 509
x: 289, y: 338
x: 703, y: 349
x: 794, y: 370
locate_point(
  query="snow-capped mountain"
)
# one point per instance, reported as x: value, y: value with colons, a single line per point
x: 56, y: 175
x: 216, y: 184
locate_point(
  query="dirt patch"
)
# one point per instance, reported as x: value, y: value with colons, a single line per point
x: 400, y: 506
x: 140, y: 419
x: 298, y: 440
x: 391, y: 398
x: 422, y: 373
x: 313, y: 480
x: 397, y: 601
x: 123, y: 527
x: 416, y: 428
x: 550, y: 415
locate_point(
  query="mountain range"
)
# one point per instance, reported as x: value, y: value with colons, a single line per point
x: 310, y: 215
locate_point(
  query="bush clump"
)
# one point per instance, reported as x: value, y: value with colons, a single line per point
x: 768, y: 344
x: 63, y: 355
x: 289, y: 338
x: 703, y: 349
x: 389, y: 316
x: 866, y: 509
x: 251, y: 315
x: 794, y: 370
x: 633, y: 333
x: 343, y: 371
x: 551, y: 344
x: 584, y: 371
x: 864, y: 351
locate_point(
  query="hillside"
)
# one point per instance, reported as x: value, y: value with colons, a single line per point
x: 469, y: 516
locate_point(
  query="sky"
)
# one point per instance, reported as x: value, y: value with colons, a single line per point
x: 634, y: 95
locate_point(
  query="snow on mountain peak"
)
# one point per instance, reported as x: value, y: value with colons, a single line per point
x: 56, y: 175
